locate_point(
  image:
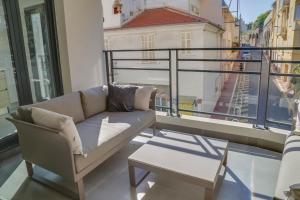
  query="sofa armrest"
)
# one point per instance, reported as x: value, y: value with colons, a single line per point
x: 153, y: 99
x: 45, y: 147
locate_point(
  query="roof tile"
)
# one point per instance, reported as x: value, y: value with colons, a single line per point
x: 162, y: 16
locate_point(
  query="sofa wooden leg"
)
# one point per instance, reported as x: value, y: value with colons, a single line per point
x: 154, y: 130
x: 29, y: 168
x: 80, y: 187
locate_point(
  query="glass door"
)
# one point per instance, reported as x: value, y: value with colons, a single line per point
x: 37, y: 42
x: 29, y: 67
x: 8, y: 91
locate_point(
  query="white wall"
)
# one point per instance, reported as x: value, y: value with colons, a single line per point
x: 212, y: 10
x: 80, y: 35
x: 197, y: 85
x: 110, y: 19
x: 212, y: 82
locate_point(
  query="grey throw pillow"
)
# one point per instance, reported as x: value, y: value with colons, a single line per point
x: 121, y: 98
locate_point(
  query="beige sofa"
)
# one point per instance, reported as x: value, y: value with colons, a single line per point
x: 102, y: 134
x: 290, y: 165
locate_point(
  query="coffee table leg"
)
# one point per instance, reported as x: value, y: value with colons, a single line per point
x: 131, y: 171
x: 225, y: 158
x: 209, y: 194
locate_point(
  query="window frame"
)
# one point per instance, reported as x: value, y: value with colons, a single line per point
x: 186, y: 41
x: 148, y: 42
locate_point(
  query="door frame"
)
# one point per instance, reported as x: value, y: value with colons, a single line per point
x: 19, y: 62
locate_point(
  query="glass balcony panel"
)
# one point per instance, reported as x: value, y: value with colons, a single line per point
x: 284, y: 91
x: 158, y: 79
x: 227, y: 94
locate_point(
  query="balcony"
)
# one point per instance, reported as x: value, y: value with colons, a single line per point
x: 252, y: 87
x: 244, y: 95
x: 243, y: 98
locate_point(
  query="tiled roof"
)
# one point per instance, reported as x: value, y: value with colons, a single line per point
x: 163, y: 16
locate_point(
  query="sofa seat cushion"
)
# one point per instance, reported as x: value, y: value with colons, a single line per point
x: 290, y: 165
x: 101, y: 133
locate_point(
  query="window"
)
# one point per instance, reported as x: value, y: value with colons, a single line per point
x: 186, y: 40
x: 297, y: 14
x: 148, y: 43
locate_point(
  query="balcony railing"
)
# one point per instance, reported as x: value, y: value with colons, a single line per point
x: 253, y: 85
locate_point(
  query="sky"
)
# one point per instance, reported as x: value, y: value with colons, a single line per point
x: 251, y: 9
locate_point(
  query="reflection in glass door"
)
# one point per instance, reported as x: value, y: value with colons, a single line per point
x: 29, y: 66
x: 37, y: 48
x: 8, y: 91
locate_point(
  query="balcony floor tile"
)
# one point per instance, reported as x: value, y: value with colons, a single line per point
x: 251, y: 174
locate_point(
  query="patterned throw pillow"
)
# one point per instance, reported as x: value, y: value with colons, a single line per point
x: 121, y: 98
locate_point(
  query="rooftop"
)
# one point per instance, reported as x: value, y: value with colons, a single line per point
x: 163, y: 16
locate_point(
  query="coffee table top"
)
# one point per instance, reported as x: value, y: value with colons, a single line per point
x: 191, y: 157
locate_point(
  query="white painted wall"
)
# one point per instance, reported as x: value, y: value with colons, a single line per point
x: 80, y: 35
x: 198, y: 85
x: 212, y: 10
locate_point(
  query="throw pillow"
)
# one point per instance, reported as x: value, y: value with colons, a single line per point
x: 121, y: 98
x: 142, y: 98
x: 25, y: 114
x: 64, y: 124
x: 293, y: 193
x: 93, y: 100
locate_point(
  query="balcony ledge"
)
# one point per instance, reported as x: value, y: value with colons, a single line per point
x: 273, y: 139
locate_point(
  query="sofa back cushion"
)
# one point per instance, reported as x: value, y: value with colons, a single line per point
x: 64, y: 124
x: 69, y: 104
x: 94, y: 100
x: 143, y: 98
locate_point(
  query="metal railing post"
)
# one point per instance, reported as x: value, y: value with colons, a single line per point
x: 170, y: 82
x: 263, y: 93
x: 112, y: 67
x: 177, y: 86
x: 107, y: 67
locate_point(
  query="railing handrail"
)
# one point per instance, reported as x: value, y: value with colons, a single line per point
x: 206, y: 49
x: 264, y: 74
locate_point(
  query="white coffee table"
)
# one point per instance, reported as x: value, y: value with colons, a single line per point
x: 195, y: 159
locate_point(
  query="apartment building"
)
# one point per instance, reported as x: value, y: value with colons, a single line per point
x: 128, y: 9
x: 178, y: 29
x: 268, y: 31
x: 286, y: 19
x: 231, y: 27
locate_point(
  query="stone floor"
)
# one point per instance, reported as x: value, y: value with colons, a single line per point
x: 6, y: 127
x: 251, y: 174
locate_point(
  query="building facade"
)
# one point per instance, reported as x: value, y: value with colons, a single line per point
x: 131, y: 8
x: 286, y: 19
x: 178, y: 30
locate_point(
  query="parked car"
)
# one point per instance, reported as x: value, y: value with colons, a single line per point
x: 246, y: 55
